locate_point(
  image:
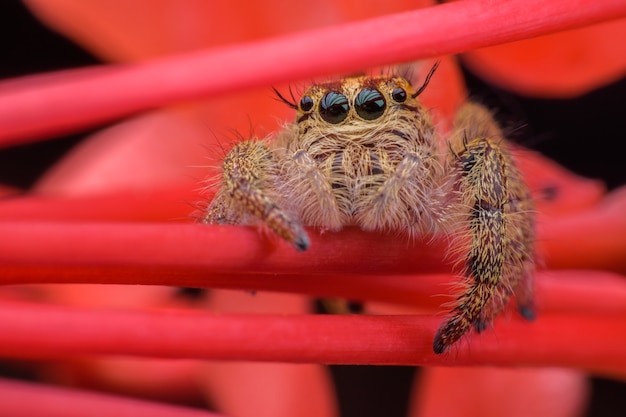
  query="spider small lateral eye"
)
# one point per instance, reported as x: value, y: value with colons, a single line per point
x: 334, y: 107
x: 399, y: 94
x: 306, y: 103
x: 370, y: 104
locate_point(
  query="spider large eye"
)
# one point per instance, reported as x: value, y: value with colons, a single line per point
x: 334, y: 107
x: 369, y: 104
x: 399, y: 94
x: 306, y: 103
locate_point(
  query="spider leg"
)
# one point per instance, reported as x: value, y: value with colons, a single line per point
x: 310, y: 191
x: 407, y: 200
x: 248, y: 189
x: 500, y: 250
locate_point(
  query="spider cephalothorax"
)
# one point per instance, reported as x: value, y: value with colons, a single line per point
x: 363, y: 151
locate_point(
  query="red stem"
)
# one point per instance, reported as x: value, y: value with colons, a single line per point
x: 573, y: 291
x: 599, y: 340
x: 235, y: 250
x: 41, y: 106
x: 174, y: 203
x: 217, y: 249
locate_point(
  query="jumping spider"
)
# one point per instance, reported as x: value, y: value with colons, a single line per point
x: 364, y: 151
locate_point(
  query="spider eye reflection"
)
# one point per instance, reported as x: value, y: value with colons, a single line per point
x: 399, y: 94
x: 306, y: 103
x: 334, y: 107
x: 370, y: 104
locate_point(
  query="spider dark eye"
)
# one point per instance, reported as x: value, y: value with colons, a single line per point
x: 306, y: 103
x: 369, y: 104
x: 334, y: 107
x: 398, y: 94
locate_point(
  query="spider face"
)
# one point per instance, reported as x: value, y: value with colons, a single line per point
x: 356, y: 143
x: 355, y: 100
x: 363, y: 151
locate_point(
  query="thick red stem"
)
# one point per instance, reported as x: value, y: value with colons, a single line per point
x: 42, y: 106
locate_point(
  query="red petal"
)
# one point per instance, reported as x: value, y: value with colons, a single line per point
x: 496, y: 392
x: 147, y: 28
x: 35, y: 400
x: 562, y: 65
x: 592, y: 238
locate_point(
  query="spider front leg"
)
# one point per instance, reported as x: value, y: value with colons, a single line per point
x: 249, y: 191
x: 500, y: 254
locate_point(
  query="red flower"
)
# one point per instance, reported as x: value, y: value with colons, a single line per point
x: 107, y: 215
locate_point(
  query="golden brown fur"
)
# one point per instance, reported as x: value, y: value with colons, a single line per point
x: 363, y: 151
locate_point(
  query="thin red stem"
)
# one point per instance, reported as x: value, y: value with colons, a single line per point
x: 169, y: 204
x: 241, y: 250
x: 220, y: 249
x: 43, y: 106
x: 599, y: 340
x: 573, y: 291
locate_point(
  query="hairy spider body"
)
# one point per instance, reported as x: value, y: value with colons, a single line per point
x: 363, y: 151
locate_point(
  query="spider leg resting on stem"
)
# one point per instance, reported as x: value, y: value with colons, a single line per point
x: 500, y: 256
x: 363, y: 152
